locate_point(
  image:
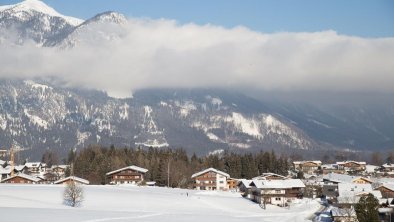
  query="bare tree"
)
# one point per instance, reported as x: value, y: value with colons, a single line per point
x: 73, y: 194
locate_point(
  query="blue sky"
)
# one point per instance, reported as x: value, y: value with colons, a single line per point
x: 374, y: 18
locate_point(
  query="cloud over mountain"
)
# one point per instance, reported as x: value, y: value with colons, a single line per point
x: 143, y: 53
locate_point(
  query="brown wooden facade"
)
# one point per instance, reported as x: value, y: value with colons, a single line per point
x: 20, y: 180
x: 386, y: 192
x: 206, y: 181
x: 127, y: 176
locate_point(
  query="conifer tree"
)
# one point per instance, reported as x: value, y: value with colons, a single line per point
x: 367, y: 209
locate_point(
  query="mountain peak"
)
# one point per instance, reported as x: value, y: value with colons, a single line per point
x: 39, y: 6
x: 110, y: 17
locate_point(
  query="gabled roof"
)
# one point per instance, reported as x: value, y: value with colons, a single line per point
x: 33, y: 164
x: 74, y: 178
x: 24, y: 176
x: 351, y: 161
x: 342, y: 178
x: 210, y: 170
x: 351, y: 193
x: 343, y: 212
x: 20, y: 167
x: 7, y: 170
x: 388, y: 186
x: 265, y: 175
x: 245, y: 182
x: 307, y: 161
x: 136, y: 168
x: 388, y: 165
x: 59, y: 166
x: 277, y: 184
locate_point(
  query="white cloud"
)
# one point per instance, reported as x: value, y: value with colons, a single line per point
x: 161, y: 53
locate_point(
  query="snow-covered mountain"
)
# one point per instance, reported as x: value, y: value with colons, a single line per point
x: 34, y: 20
x: 39, y: 116
x: 104, y: 27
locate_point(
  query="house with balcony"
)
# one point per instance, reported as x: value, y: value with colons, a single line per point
x: 309, y: 167
x: 127, y: 175
x: 276, y: 192
x: 352, y: 166
x: 211, y: 179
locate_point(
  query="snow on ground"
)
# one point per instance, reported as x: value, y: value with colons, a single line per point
x: 131, y: 203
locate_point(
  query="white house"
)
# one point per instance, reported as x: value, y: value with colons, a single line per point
x: 350, y: 193
x: 211, y: 179
x: 276, y: 192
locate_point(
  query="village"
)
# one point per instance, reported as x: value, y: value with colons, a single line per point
x: 339, y: 186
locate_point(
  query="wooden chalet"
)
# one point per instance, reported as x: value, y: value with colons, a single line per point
x: 210, y: 179
x: 343, y: 214
x: 270, y: 176
x: 352, y: 166
x: 60, y: 170
x: 127, y: 175
x: 34, y: 168
x: 387, y: 167
x: 245, y: 188
x: 22, y: 179
x: 72, y: 179
x: 232, y: 184
x: 50, y: 177
x: 309, y: 167
x: 387, y: 190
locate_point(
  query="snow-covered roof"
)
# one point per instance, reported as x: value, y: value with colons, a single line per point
x: 265, y: 175
x: 385, y: 180
x: 277, y: 184
x: 351, y: 161
x: 25, y: 176
x: 136, y: 168
x: 59, y: 166
x: 388, y: 165
x: 33, y: 164
x: 351, y: 193
x: 370, y: 168
x: 388, y: 186
x: 2, y: 162
x: 74, y: 178
x: 245, y: 182
x: 343, y: 212
x: 307, y: 161
x: 342, y: 178
x: 20, y: 167
x: 6, y: 170
x: 346, y: 189
x: 329, y: 166
x: 210, y: 170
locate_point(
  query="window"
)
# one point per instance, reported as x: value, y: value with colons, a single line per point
x: 277, y: 198
x: 220, y: 181
x: 277, y: 191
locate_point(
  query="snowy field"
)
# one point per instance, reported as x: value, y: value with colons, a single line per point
x: 130, y: 203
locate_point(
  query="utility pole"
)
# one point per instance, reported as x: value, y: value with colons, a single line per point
x: 12, y: 160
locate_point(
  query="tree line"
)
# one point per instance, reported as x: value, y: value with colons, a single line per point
x: 171, y: 167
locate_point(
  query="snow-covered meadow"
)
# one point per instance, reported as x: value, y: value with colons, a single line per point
x: 131, y: 203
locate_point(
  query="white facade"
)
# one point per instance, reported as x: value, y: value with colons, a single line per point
x: 211, y: 179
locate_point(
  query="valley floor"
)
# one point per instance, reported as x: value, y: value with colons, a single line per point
x: 130, y: 203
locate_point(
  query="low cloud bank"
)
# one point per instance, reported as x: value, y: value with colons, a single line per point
x: 162, y: 53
